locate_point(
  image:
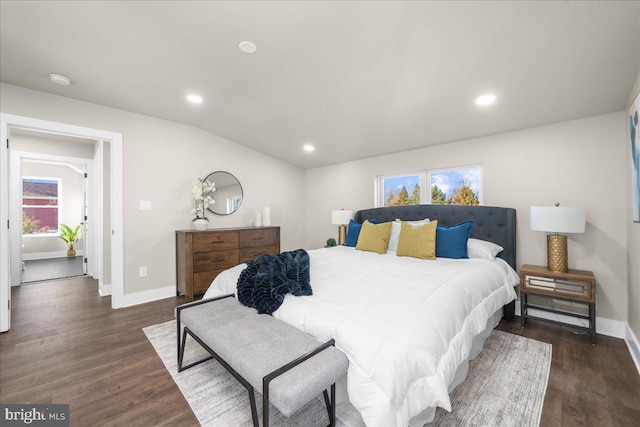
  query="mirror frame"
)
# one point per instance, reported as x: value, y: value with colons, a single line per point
x: 241, y: 192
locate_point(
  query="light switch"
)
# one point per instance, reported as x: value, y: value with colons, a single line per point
x: 145, y: 205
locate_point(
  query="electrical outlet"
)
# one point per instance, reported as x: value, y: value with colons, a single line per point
x: 143, y: 271
x: 145, y: 205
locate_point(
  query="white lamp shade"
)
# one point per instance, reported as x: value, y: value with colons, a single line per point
x: 341, y: 217
x: 558, y: 219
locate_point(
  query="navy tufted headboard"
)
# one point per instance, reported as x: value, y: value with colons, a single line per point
x: 497, y: 225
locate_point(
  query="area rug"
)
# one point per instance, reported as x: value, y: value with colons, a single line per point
x: 505, y: 386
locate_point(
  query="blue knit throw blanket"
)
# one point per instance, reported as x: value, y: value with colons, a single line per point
x: 267, y: 279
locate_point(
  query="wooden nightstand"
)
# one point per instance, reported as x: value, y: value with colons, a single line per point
x: 577, y: 286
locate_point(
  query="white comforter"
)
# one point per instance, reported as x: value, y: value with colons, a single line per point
x: 405, y: 324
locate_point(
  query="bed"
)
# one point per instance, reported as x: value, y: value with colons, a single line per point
x: 408, y: 326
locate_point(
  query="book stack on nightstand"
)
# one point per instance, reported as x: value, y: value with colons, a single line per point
x: 577, y: 286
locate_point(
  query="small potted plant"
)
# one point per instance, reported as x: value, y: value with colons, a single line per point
x: 70, y: 237
x: 331, y: 242
x: 203, y: 200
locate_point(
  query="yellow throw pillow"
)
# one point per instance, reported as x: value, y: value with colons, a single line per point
x: 374, y: 237
x: 418, y: 242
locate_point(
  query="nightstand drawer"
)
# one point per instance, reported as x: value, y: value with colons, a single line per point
x: 578, y: 289
x: 577, y: 286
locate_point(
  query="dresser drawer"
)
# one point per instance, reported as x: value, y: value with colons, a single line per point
x: 215, y: 260
x: 258, y: 237
x: 207, y: 242
x: 248, y: 254
x: 202, y: 280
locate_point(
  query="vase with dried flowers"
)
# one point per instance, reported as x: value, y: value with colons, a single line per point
x: 201, y: 194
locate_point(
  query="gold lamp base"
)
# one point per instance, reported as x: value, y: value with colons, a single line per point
x: 557, y: 259
x: 342, y: 234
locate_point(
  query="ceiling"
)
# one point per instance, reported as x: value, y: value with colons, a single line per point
x: 355, y: 79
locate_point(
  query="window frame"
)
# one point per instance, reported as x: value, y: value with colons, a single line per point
x: 58, y: 206
x: 380, y: 200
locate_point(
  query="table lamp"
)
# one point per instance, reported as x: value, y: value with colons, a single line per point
x: 557, y: 219
x: 341, y: 218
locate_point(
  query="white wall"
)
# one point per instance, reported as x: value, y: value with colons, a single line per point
x: 70, y: 206
x: 56, y: 146
x: 577, y: 163
x: 105, y: 266
x: 161, y: 159
x: 633, y: 238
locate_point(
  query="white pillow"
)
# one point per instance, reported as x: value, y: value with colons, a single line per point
x: 394, y: 237
x: 482, y: 249
x: 418, y: 223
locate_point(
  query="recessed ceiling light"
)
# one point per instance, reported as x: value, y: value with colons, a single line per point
x: 60, y: 79
x: 194, y: 99
x: 309, y: 148
x: 248, y: 47
x: 485, y: 100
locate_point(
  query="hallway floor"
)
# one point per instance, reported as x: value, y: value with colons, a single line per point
x: 54, y: 268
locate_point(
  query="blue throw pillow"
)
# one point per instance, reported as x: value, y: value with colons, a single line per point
x: 353, y: 232
x: 452, y: 242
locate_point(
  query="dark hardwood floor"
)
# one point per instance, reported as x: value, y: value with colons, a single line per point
x: 67, y: 345
x: 588, y: 386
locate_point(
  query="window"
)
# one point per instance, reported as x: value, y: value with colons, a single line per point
x: 452, y: 186
x: 399, y: 190
x: 40, y: 205
x: 459, y: 186
x: 233, y: 203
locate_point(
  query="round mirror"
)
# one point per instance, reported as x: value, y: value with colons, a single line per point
x: 228, y: 194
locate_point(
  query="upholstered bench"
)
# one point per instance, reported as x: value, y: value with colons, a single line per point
x: 289, y: 366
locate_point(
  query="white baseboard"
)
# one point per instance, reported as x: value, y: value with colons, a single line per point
x: 48, y: 255
x: 634, y: 346
x: 104, y: 290
x: 604, y: 326
x: 147, y: 296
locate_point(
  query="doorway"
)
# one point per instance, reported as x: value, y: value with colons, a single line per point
x: 106, y: 151
x: 50, y: 178
x: 54, y: 205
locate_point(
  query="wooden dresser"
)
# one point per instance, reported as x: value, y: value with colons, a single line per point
x: 202, y: 255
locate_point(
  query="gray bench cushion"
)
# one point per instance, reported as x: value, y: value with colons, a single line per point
x: 255, y: 345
